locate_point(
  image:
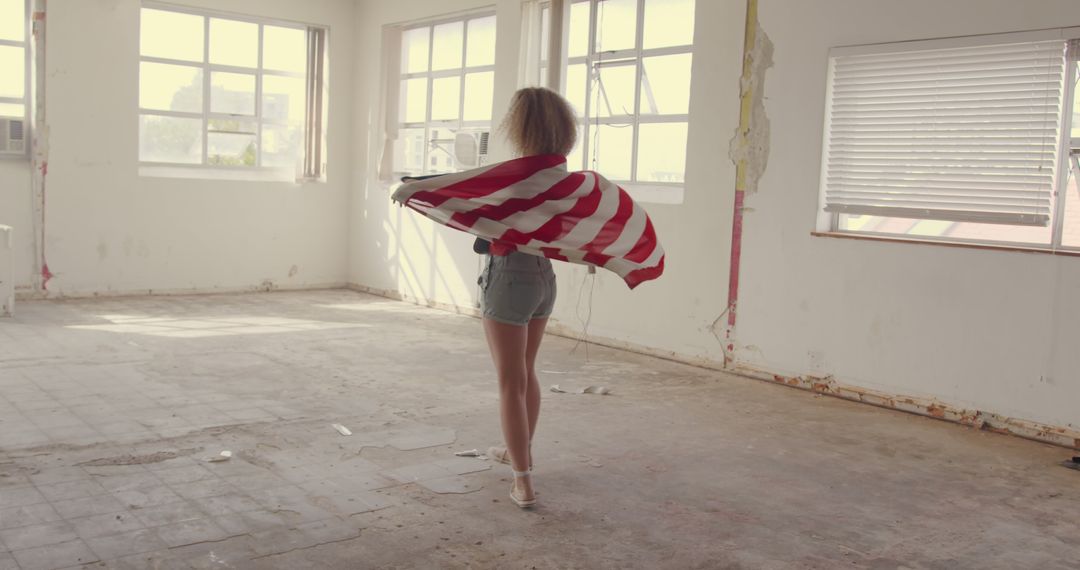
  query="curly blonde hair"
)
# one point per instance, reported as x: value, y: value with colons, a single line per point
x: 540, y: 121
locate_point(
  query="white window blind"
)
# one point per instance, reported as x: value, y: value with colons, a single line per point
x: 958, y: 134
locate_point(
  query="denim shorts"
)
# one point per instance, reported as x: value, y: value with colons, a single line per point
x: 517, y: 288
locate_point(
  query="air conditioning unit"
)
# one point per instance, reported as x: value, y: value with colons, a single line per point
x: 12, y: 135
x: 471, y: 148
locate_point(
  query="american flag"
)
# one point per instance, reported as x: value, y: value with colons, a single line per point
x: 535, y: 206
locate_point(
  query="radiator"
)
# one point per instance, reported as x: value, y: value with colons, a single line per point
x: 7, y: 271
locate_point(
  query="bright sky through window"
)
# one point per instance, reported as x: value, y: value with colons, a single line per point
x: 222, y: 91
x: 628, y: 78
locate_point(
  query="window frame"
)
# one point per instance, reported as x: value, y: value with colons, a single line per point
x: 459, y: 124
x: 258, y: 170
x: 635, y: 56
x: 28, y: 74
x: 1064, y: 145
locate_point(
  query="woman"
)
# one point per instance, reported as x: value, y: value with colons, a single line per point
x: 518, y: 293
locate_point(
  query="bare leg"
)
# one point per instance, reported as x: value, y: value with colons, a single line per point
x: 508, y: 348
x: 532, y: 392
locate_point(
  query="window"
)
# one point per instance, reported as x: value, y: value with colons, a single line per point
x: 956, y: 140
x: 14, y: 77
x: 628, y: 77
x: 445, y: 90
x: 230, y: 93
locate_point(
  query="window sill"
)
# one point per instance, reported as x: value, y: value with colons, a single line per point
x: 654, y: 194
x: 918, y: 241
x: 222, y: 174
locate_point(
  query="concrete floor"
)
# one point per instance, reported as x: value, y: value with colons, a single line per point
x: 109, y: 409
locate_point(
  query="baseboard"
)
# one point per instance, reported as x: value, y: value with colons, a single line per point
x: 262, y: 288
x: 1027, y: 429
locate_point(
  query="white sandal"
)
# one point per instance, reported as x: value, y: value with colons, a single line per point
x: 523, y: 503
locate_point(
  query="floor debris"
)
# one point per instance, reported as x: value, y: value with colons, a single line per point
x: 598, y: 390
x: 341, y: 429
x: 223, y: 456
x: 469, y: 453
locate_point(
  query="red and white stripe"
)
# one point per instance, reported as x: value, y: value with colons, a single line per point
x: 535, y: 206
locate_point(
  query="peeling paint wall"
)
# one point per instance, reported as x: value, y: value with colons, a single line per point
x: 750, y: 145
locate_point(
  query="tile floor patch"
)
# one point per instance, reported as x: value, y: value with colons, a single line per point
x: 88, y: 506
x: 37, y: 535
x: 169, y: 514
x: 125, y: 544
x: 63, y: 555
x: 28, y: 515
x: 19, y: 497
x: 104, y: 525
x: 147, y: 497
x: 418, y: 472
x: 72, y: 490
x: 452, y: 485
x: 190, y: 532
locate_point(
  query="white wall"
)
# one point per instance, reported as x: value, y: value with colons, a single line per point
x: 399, y: 251
x: 992, y: 330
x: 15, y: 211
x: 110, y: 230
x: 989, y: 330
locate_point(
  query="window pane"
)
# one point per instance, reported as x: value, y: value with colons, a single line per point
x: 579, y: 30
x: 281, y: 145
x: 613, y: 147
x: 171, y: 34
x: 665, y: 85
x: 938, y: 228
x: 13, y: 20
x: 575, y: 87
x: 445, y: 98
x: 12, y: 71
x: 613, y: 94
x: 479, y: 91
x: 232, y: 93
x: 440, y: 160
x: 170, y: 139
x: 668, y: 23
x: 12, y: 110
x: 409, y: 151
x: 576, y: 159
x: 170, y: 87
x: 284, y: 49
x: 414, y: 50
x: 234, y: 43
x: 545, y: 33
x: 661, y: 155
x: 616, y: 25
x: 446, y: 51
x: 230, y: 149
x: 283, y: 99
x: 413, y: 100
x: 481, y: 45
x: 1076, y: 106
x: 1070, y: 235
